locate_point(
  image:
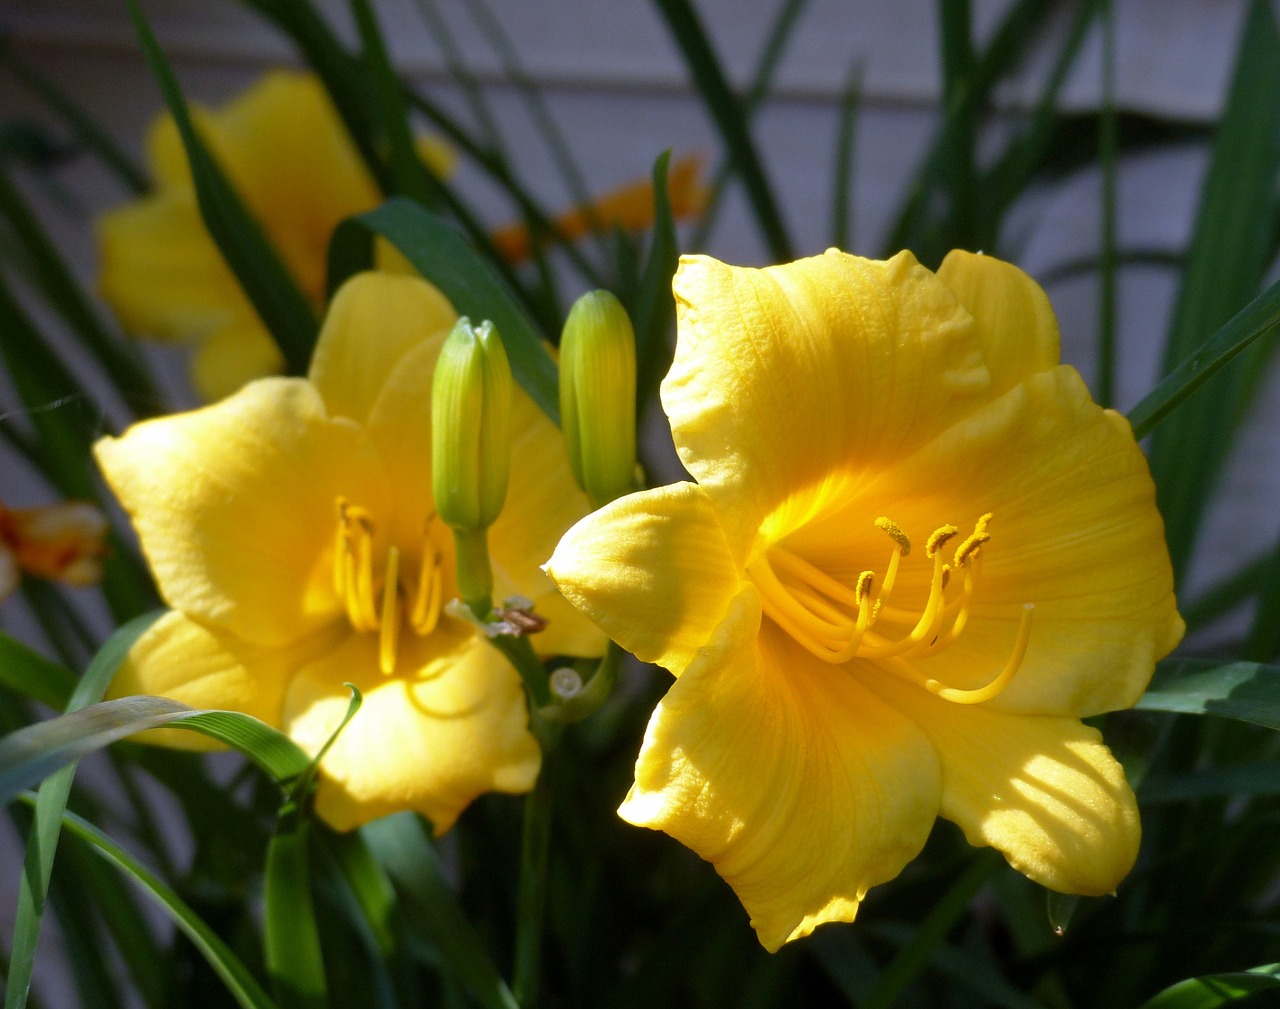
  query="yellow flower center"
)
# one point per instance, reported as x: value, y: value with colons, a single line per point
x: 380, y: 596
x: 838, y: 622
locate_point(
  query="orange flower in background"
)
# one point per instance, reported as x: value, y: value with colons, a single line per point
x: 62, y: 542
x: 286, y: 151
x: 630, y: 207
x: 916, y: 556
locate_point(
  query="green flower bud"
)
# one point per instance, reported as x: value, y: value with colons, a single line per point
x: 598, y: 396
x: 471, y: 427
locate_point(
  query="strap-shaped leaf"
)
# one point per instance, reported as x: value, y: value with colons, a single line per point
x: 1215, y: 990
x: 238, y: 979
x: 32, y: 675
x: 442, y: 256
x: 1247, y: 691
x: 31, y: 754
x: 279, y: 302
x: 50, y: 803
x: 655, y: 306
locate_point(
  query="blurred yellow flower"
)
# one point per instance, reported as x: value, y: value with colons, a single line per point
x: 285, y: 150
x: 629, y: 207
x: 62, y: 542
x: 291, y: 527
x: 917, y: 554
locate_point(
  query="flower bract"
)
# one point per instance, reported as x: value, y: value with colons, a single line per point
x: 916, y: 555
x: 291, y: 528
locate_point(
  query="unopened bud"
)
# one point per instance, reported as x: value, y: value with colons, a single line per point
x: 598, y: 396
x: 471, y: 427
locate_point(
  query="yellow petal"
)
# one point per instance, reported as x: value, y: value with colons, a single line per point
x: 1012, y: 316
x: 161, y: 273
x: 1074, y: 532
x: 373, y: 321
x: 429, y: 740
x: 542, y: 503
x: 652, y: 570
x: 799, y: 785
x: 203, y: 667
x: 235, y: 505
x: 233, y: 356
x: 1045, y: 792
x: 830, y: 364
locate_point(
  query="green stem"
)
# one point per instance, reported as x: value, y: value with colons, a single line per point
x: 911, y: 959
x: 474, y: 572
x: 531, y: 898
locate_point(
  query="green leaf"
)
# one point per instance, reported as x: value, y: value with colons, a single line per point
x: 1246, y: 691
x: 369, y: 885
x: 1216, y: 989
x: 119, y: 359
x: 727, y: 112
x: 1230, y: 252
x: 842, y: 172
x: 1254, y: 778
x: 50, y: 802
x: 239, y: 981
x: 655, y: 306
x: 405, y: 851
x: 1257, y: 320
x: 290, y: 937
x: 32, y: 675
x: 442, y: 256
x: 33, y: 753
x: 275, y: 294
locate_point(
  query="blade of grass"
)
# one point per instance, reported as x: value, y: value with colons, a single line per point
x: 1214, y: 990
x: 85, y: 128
x: 119, y: 359
x: 960, y: 152
x: 1258, y: 320
x: 775, y: 45
x: 843, y: 170
x: 1107, y: 146
x: 913, y: 957
x: 654, y: 307
x: 275, y: 294
x: 729, y: 117
x: 29, y: 673
x: 1228, y: 257
x: 442, y: 256
x: 50, y: 803
x: 233, y: 973
x: 1246, y: 691
x: 405, y: 851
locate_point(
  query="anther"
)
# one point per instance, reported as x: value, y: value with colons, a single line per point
x: 895, y: 532
x: 862, y: 587
x: 938, y: 539
x: 973, y: 541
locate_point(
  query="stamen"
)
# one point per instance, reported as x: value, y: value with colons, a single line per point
x: 938, y: 539
x: 895, y: 531
x: 428, y: 599
x: 998, y: 685
x: 862, y: 588
x: 974, y: 541
x: 390, y: 628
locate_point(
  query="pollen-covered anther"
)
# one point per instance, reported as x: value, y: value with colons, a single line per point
x: 381, y: 601
x: 836, y: 620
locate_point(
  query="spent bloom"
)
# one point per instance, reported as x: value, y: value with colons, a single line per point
x: 916, y: 555
x: 285, y: 150
x: 63, y: 542
x: 292, y: 529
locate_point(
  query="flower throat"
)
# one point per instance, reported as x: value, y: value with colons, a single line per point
x: 380, y: 602
x: 839, y: 622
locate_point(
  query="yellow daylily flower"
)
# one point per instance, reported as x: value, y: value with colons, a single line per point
x: 292, y: 530
x: 63, y: 542
x: 285, y: 150
x: 629, y: 207
x: 916, y: 555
